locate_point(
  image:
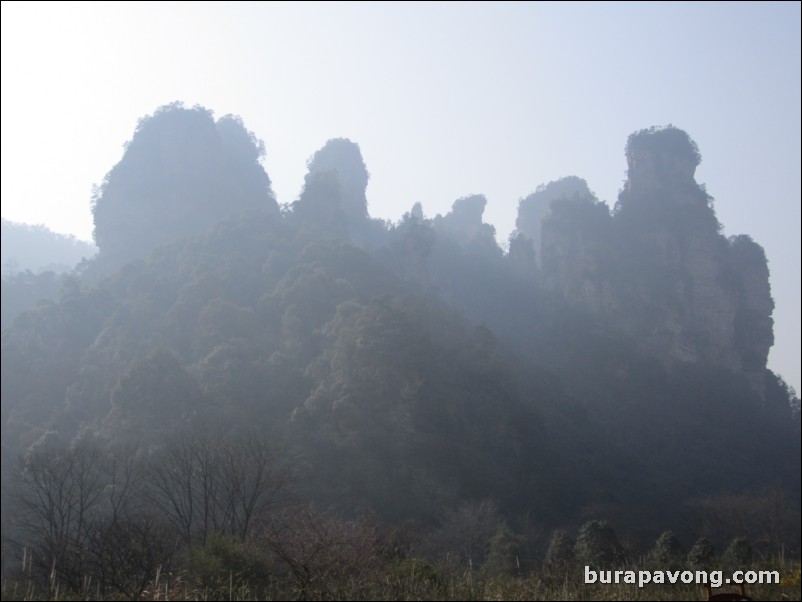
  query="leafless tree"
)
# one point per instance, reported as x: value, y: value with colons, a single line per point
x: 181, y: 479
x: 205, y: 484
x: 58, y: 494
x: 323, y: 556
x: 253, y: 483
x: 127, y: 553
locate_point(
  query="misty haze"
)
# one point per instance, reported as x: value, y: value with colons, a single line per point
x: 224, y: 362
x: 236, y: 394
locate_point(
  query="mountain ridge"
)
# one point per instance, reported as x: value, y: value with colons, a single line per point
x: 414, y: 366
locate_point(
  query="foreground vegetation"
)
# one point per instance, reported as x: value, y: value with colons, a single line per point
x: 396, y: 579
x: 216, y: 518
x: 213, y: 515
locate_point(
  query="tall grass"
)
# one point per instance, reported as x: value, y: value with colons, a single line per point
x: 415, y: 579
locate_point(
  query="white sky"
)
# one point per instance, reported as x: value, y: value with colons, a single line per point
x: 444, y: 99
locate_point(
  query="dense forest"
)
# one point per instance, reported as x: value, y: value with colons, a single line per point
x: 34, y: 259
x: 298, y: 397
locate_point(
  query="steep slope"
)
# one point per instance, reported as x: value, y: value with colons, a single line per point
x: 414, y: 367
x: 181, y: 173
x: 658, y: 268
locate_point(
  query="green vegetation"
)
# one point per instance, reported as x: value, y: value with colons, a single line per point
x: 238, y: 401
x: 353, y: 560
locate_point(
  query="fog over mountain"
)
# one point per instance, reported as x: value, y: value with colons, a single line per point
x: 400, y: 301
x: 37, y: 249
x: 34, y: 261
x: 610, y: 365
x: 445, y: 101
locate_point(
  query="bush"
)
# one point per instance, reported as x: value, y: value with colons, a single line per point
x: 701, y: 554
x: 597, y: 545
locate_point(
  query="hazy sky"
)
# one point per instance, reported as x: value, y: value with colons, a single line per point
x: 444, y: 100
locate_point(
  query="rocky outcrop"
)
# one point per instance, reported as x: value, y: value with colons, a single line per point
x: 575, y: 248
x: 658, y: 268
x: 663, y: 160
x: 181, y: 173
x: 533, y: 209
x: 464, y: 222
x: 343, y: 157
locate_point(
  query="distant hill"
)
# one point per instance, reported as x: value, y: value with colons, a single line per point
x: 38, y: 249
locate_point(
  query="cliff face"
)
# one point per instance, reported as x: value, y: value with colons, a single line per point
x: 181, y: 173
x: 464, y: 222
x: 533, y: 209
x: 658, y: 267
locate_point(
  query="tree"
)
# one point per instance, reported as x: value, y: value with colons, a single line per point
x: 81, y: 519
x: 469, y: 530
x: 560, y: 554
x: 738, y: 554
x: 253, y: 484
x: 127, y: 553
x: 152, y: 397
x: 667, y: 551
x: 207, y: 483
x: 503, y: 557
x: 322, y: 556
x: 701, y: 554
x: 597, y: 545
x: 58, y: 493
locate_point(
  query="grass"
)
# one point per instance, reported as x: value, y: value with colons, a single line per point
x: 417, y: 581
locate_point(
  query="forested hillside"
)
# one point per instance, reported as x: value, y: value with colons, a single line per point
x: 33, y: 260
x: 223, y: 362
